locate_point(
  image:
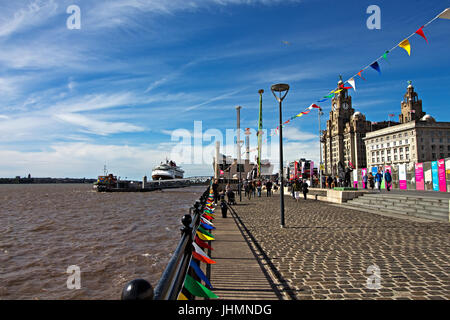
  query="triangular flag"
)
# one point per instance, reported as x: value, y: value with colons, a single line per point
x: 352, y: 83
x: 385, y: 55
x: 207, y: 217
x: 202, y: 244
x: 314, y: 106
x: 197, y: 289
x: 323, y: 100
x: 181, y: 296
x: 445, y: 14
x: 420, y: 33
x: 359, y: 74
x: 206, y: 226
x: 204, y: 237
x: 207, y: 221
x: 200, y: 273
x: 204, y: 259
x: 376, y: 66
x: 299, y: 115
x: 202, y: 253
x: 329, y: 96
x: 204, y: 231
x: 405, y: 45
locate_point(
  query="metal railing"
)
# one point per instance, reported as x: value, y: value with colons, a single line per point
x: 172, y: 279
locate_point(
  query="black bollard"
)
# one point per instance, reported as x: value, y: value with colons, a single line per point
x: 138, y: 289
x: 223, y: 206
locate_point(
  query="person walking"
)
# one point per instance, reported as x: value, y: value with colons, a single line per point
x: 245, y: 187
x: 269, y: 188
x: 305, y: 189
x: 378, y: 179
x: 388, y: 180
x: 329, y: 182
x: 371, y: 180
x: 250, y: 190
x: 296, y: 188
x: 259, y: 187
x: 365, y: 179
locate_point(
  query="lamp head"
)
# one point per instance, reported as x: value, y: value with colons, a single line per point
x: 280, y: 87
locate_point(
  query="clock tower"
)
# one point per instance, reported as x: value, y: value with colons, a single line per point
x: 411, y: 106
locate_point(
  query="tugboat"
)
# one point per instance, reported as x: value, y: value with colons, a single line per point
x: 105, y: 183
x: 166, y: 171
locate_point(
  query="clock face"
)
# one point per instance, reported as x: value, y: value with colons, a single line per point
x: 345, y: 105
x: 334, y: 106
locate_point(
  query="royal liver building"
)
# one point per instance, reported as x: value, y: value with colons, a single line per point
x: 342, y: 141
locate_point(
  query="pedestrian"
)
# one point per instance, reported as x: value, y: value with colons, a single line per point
x: 254, y: 188
x: 305, y: 188
x: 245, y: 187
x: 365, y: 179
x: 371, y: 180
x: 250, y: 190
x: 223, y: 206
x: 259, y: 188
x: 215, y: 187
x: 269, y: 188
x: 378, y: 179
x: 297, y: 188
x: 329, y: 182
x: 388, y: 180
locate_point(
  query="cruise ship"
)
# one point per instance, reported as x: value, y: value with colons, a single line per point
x: 168, y: 170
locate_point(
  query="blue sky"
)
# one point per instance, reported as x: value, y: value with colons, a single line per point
x: 113, y: 91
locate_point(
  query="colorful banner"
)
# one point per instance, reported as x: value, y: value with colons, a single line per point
x: 420, y: 180
x: 355, y: 178
x: 402, y: 176
x: 441, y: 176
x: 363, y: 173
x: 435, y: 175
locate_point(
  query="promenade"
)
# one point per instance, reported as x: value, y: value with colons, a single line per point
x: 324, y: 252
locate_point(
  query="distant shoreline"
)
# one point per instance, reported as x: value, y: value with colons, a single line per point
x: 19, y: 180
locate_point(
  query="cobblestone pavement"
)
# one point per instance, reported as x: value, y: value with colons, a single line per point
x: 325, y: 251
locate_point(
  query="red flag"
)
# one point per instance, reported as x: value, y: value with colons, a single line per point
x: 202, y: 258
x: 315, y: 106
x: 359, y: 74
x: 202, y: 244
x: 420, y: 33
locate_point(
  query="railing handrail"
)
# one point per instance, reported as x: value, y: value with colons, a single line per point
x: 172, y: 278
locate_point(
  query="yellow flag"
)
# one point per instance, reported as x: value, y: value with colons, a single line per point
x: 299, y: 115
x: 204, y: 236
x: 181, y: 296
x: 405, y: 45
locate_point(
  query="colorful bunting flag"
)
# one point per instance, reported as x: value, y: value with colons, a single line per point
x: 376, y: 66
x: 203, y: 236
x: 200, y: 273
x: 202, y: 244
x: 445, y: 14
x: 197, y: 289
x: 181, y: 296
x: 405, y: 45
x: 201, y: 255
x: 352, y: 83
x: 323, y: 100
x: 329, y: 96
x: 359, y: 74
x: 421, y: 33
x: 385, y: 55
x: 206, y: 226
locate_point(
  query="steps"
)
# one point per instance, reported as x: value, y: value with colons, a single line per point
x: 419, y: 206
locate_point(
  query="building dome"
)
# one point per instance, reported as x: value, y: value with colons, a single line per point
x: 428, y: 118
x: 358, y: 114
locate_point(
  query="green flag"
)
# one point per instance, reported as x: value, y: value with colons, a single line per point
x: 202, y: 230
x: 197, y: 289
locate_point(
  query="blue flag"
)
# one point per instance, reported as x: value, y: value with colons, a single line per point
x: 207, y: 226
x: 376, y: 66
x: 200, y: 274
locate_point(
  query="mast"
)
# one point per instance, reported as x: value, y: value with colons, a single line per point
x: 260, y: 132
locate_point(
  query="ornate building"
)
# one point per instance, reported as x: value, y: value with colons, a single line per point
x: 343, y: 140
x: 418, y: 137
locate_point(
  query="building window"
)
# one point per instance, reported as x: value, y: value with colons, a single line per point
x: 395, y: 157
x: 433, y: 147
x: 388, y: 144
x: 389, y: 159
x: 433, y: 156
x: 401, y: 157
x: 406, y: 141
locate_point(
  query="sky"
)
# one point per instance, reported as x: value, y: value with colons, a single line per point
x: 140, y: 81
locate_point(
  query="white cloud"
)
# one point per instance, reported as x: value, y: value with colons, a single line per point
x: 95, y: 126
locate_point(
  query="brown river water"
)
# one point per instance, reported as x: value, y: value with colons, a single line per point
x: 112, y: 237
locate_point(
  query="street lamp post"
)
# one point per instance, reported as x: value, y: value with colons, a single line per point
x: 238, y: 109
x: 280, y: 88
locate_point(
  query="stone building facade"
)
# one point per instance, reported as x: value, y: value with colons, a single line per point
x: 418, y: 137
x: 343, y: 142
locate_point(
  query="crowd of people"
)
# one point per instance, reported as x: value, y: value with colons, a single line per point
x: 251, y: 188
x: 369, y: 181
